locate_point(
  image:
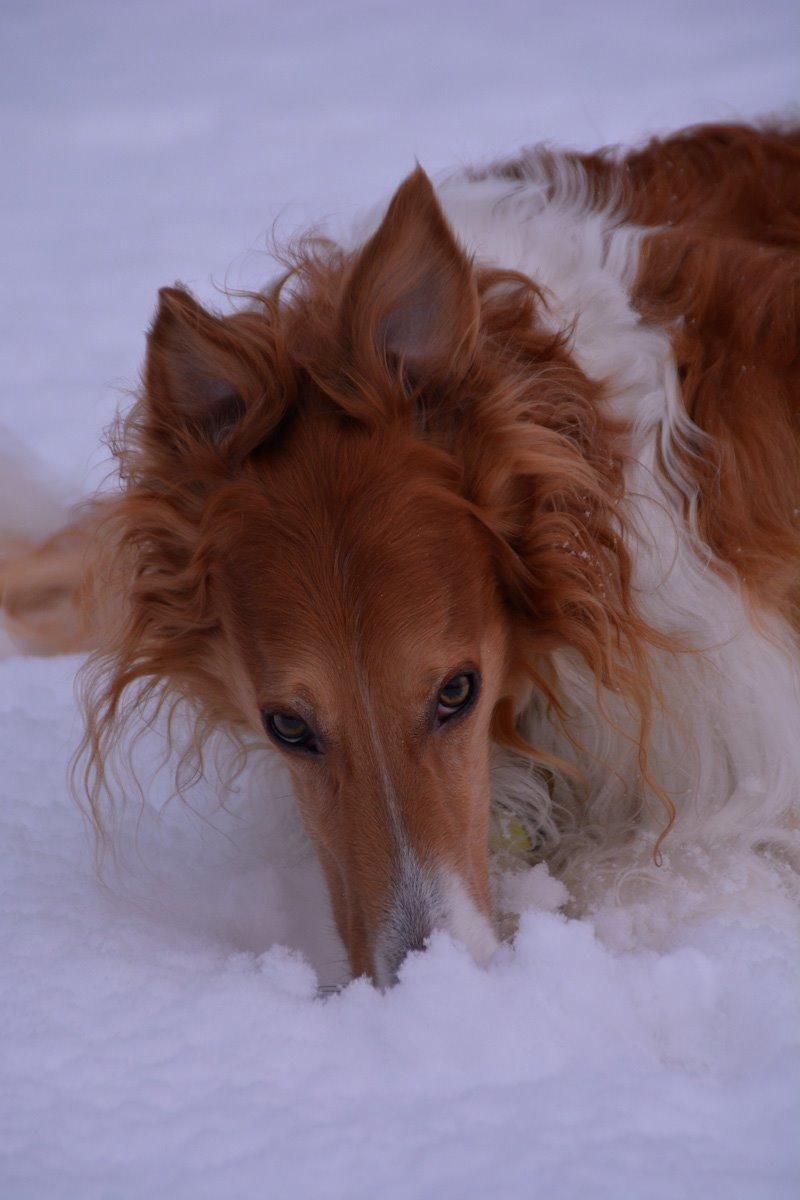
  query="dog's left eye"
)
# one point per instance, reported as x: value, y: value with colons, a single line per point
x: 289, y: 730
x: 455, y: 695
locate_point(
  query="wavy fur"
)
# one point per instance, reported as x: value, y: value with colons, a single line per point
x: 587, y: 400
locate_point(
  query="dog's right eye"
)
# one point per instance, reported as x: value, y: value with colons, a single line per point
x: 289, y: 730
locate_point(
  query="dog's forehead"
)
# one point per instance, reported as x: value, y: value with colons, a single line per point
x: 358, y: 550
x: 374, y: 575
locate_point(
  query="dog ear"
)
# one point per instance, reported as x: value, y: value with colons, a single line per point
x: 412, y: 295
x: 194, y: 376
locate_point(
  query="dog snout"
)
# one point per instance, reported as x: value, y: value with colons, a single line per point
x: 414, y: 905
x: 422, y: 901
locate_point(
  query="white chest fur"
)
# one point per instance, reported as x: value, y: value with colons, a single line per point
x: 726, y: 747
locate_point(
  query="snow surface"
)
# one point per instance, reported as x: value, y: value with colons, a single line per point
x: 160, y: 1033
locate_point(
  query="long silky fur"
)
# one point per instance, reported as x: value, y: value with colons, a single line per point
x: 531, y: 453
x: 621, y: 422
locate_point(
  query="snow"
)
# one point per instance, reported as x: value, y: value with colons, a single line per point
x: 162, y: 1034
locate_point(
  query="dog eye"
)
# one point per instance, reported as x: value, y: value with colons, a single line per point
x: 288, y: 730
x: 455, y: 696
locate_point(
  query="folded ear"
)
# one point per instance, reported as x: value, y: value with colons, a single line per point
x: 194, y: 378
x: 412, y: 295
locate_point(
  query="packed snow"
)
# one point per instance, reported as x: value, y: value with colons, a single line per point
x: 166, y: 1025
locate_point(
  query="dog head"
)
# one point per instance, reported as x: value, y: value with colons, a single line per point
x: 357, y: 519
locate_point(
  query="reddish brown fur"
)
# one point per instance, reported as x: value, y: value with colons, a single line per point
x: 385, y: 468
x: 374, y: 583
x: 341, y: 471
x: 725, y: 277
x: 722, y: 272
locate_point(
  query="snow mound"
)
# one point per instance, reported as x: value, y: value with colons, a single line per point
x: 157, y: 1040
